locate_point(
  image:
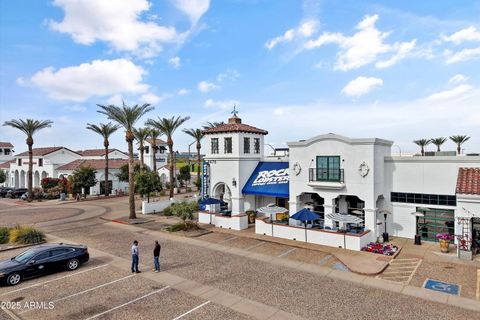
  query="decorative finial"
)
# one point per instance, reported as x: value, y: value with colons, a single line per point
x: 234, y: 112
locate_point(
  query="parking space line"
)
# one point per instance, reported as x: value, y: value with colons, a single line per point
x: 478, y: 285
x: 256, y: 245
x: 94, y: 288
x: 127, y: 303
x: 48, y: 281
x: 286, y: 252
x: 228, y: 239
x: 190, y: 311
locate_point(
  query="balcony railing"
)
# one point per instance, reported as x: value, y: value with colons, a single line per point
x: 326, y: 175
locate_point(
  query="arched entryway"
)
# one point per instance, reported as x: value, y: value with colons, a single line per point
x: 22, y: 179
x: 16, y: 183
x: 44, y: 175
x: 36, y: 179
x: 222, y: 191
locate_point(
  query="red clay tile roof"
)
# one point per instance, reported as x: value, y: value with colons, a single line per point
x: 6, y: 165
x: 43, y: 151
x: 157, y: 141
x: 96, y: 152
x: 468, y: 181
x: 234, y: 127
x: 6, y: 145
x: 97, y: 164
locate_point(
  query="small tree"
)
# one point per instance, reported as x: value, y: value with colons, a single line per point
x: 184, y: 175
x: 84, y: 177
x: 422, y: 143
x: 438, y: 142
x: 459, y: 140
x: 123, y: 174
x: 3, y: 176
x: 146, y: 182
x: 184, y: 210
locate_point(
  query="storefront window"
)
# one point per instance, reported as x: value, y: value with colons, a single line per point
x: 434, y: 222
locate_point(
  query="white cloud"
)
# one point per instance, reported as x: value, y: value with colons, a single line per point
x: 183, y: 92
x: 151, y: 98
x: 229, y: 74
x: 64, y: 120
x: 223, y: 104
x: 194, y: 9
x: 97, y: 78
x: 363, y: 47
x: 462, y: 55
x: 361, y: 85
x: 116, y: 99
x: 115, y: 22
x: 468, y: 34
x: 450, y: 94
x: 304, y: 30
x: 458, y: 78
x: 205, y: 86
x: 403, y: 50
x: 175, y: 62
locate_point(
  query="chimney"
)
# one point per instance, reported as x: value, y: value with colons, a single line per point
x: 234, y: 119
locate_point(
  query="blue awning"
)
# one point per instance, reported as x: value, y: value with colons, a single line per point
x: 269, y: 179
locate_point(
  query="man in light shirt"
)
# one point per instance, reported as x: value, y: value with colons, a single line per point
x: 135, y: 257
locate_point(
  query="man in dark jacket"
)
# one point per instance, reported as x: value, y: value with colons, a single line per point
x: 156, y: 257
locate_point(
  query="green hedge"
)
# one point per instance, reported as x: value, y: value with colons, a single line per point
x: 22, y: 235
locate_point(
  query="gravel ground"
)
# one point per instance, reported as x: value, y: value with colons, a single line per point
x: 32, y: 215
x: 313, y: 296
x: 216, y: 312
x: 272, y: 249
x: 241, y: 243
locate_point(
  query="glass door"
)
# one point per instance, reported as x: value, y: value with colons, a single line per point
x: 434, y: 222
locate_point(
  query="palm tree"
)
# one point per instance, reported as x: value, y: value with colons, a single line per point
x: 154, y: 134
x: 105, y: 130
x: 208, y: 124
x: 438, y: 142
x: 196, y: 134
x: 126, y: 117
x: 168, y: 126
x: 459, y: 140
x: 422, y: 143
x: 29, y: 127
x: 141, y: 135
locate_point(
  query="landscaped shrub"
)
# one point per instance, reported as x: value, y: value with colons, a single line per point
x: 4, y: 234
x: 168, y: 210
x: 187, y: 226
x: 25, y: 235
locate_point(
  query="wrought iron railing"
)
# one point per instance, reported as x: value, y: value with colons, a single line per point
x: 326, y: 175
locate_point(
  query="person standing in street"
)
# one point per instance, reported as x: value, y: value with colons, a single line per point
x: 156, y: 257
x: 135, y: 257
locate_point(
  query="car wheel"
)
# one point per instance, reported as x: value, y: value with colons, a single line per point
x: 73, y: 264
x: 14, y: 279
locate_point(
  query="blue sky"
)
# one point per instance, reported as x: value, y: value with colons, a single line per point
x: 399, y: 70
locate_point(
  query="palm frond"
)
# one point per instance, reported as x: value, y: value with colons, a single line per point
x: 28, y: 126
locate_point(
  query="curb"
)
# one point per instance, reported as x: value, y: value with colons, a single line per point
x: 21, y: 246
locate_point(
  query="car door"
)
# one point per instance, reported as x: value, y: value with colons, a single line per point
x: 38, y: 264
x: 59, y: 257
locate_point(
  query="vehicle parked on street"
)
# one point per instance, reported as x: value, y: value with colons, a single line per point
x: 42, y: 259
x: 4, y: 190
x: 16, y: 193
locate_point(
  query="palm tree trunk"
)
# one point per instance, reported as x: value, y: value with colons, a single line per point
x: 106, y: 186
x: 154, y: 147
x: 438, y: 148
x: 198, y: 163
x: 170, y: 150
x: 131, y: 183
x: 30, y: 168
x: 423, y: 151
x: 459, y: 149
x: 142, y: 164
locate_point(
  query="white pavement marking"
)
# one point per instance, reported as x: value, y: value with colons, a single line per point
x: 286, y: 252
x: 256, y: 245
x: 48, y: 281
x: 401, y: 270
x: 228, y: 239
x: 94, y: 288
x: 190, y: 311
x: 127, y: 303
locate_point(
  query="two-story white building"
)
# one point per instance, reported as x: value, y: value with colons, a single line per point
x: 6, y: 157
x: 160, y: 155
x: 424, y: 195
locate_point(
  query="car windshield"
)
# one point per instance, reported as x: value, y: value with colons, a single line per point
x: 24, y: 256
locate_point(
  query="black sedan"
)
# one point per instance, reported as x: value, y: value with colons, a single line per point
x: 42, y: 259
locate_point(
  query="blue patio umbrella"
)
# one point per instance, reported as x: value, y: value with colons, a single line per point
x: 210, y: 201
x: 305, y: 215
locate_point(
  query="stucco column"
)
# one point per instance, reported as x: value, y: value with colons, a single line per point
x: 371, y: 213
x: 237, y: 205
x: 329, y: 207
